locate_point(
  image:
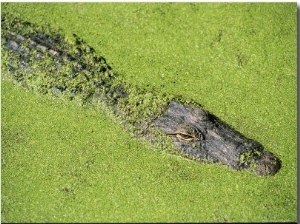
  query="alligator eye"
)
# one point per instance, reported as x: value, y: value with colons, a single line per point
x: 187, y: 137
x: 183, y: 135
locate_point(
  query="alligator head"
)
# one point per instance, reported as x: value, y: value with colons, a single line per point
x: 204, y: 136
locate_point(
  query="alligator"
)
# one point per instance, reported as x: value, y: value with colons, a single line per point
x: 41, y: 59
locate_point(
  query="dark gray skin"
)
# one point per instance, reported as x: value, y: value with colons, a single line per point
x: 204, y: 136
x: 192, y: 129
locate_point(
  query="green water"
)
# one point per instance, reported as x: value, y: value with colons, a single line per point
x: 65, y: 163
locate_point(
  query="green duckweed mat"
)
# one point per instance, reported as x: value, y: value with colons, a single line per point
x: 61, y: 162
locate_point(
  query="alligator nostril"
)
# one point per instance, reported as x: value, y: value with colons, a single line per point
x: 267, y: 164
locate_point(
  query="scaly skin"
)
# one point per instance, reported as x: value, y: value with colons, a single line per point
x: 43, y: 61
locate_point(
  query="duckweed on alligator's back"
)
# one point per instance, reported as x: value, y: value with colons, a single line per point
x: 45, y: 61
